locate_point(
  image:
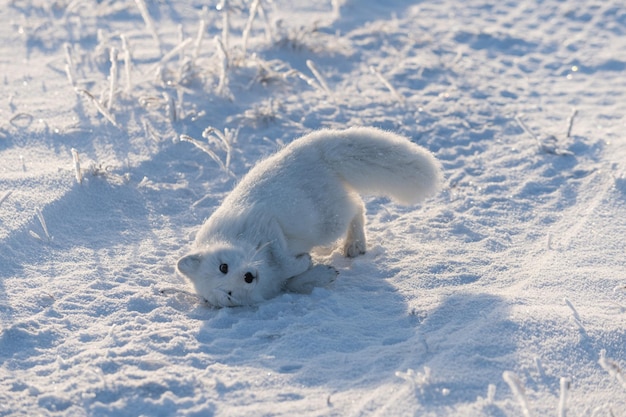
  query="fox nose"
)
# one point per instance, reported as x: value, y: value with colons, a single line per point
x: 248, y: 277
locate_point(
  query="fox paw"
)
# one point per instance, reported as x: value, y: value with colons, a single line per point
x: 354, y: 248
x: 318, y: 276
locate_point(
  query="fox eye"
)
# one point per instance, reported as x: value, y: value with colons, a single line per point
x: 224, y: 268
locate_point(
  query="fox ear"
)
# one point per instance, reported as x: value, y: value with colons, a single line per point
x: 189, y: 264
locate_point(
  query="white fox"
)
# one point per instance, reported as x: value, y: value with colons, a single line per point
x: 257, y: 243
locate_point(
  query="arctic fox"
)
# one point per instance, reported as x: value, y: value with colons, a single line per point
x: 257, y: 243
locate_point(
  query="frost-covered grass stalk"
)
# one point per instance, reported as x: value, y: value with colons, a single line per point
x: 42, y: 221
x: 318, y: 76
x: 223, y: 7
x: 221, y: 85
x: 69, y: 64
x: 549, y: 241
x: 5, y: 196
x: 179, y: 109
x: 205, y: 148
x: 199, y: 37
x: 577, y: 319
x: 266, y: 23
x: 145, y: 15
x: 263, y: 113
x: 170, y: 107
x: 189, y: 296
x: 518, y: 390
x: 246, y: 30
x: 387, y: 84
x: 111, y: 332
x: 112, y: 78
x: 127, y: 63
x: 547, y: 143
x: 491, y: 393
x: 520, y: 122
x: 336, y: 8
x: 77, y: 171
x: 540, y: 369
x: 612, y: 368
x: 178, y: 48
x: 570, y: 123
x: 181, y: 38
x: 310, y: 81
x: 103, y: 111
x: 227, y: 138
x: 151, y: 131
x: 565, y: 385
x: 21, y: 119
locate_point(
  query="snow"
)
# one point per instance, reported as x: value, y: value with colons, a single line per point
x: 503, y: 296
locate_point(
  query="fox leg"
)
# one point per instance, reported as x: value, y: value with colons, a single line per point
x: 355, y: 243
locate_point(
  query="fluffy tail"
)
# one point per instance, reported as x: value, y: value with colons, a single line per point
x: 373, y: 161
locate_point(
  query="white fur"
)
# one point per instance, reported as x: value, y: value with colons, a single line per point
x: 301, y: 197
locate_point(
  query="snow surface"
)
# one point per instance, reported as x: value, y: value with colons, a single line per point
x: 503, y: 296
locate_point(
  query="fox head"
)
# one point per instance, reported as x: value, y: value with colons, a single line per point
x: 229, y: 275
